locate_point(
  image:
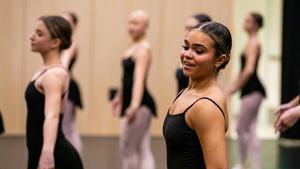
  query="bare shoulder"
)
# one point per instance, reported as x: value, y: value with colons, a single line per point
x: 57, y: 76
x: 211, y: 108
x: 216, y: 98
x: 254, y: 44
x: 58, y: 73
x: 143, y: 51
x: 215, y: 103
x: 144, y: 47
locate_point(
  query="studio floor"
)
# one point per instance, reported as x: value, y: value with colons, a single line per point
x: 103, y: 153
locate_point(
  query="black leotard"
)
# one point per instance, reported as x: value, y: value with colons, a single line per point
x: 127, y: 84
x: 253, y: 84
x: 183, y: 146
x: 64, y: 153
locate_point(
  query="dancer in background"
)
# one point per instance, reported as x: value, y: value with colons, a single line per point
x: 69, y: 57
x: 47, y: 146
x: 134, y: 100
x: 252, y: 93
x: 195, y: 125
x: 192, y: 22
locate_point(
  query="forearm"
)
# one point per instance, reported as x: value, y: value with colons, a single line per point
x: 294, y: 102
x: 245, y: 76
x: 137, y: 93
x: 296, y: 110
x: 240, y: 81
x: 50, y: 133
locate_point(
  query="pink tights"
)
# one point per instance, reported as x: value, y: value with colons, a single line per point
x: 135, y: 141
x: 246, y: 129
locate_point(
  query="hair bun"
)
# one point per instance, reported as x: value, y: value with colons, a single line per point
x: 59, y: 28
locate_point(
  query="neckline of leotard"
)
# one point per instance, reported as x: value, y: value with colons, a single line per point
x: 207, y: 98
x: 130, y: 57
x: 46, y: 69
x: 184, y: 112
x: 43, y: 72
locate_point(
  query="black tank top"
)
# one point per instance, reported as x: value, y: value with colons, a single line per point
x: 183, y: 146
x: 253, y: 83
x: 182, y: 80
x: 127, y: 84
x: 35, y: 102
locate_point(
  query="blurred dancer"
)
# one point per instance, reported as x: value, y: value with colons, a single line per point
x: 68, y: 58
x: 252, y: 93
x: 135, y: 102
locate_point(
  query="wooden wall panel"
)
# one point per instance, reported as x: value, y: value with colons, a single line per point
x: 11, y: 67
x: 102, y: 38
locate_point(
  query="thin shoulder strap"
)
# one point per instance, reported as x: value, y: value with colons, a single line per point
x: 216, y: 104
x: 179, y: 95
x: 45, y: 70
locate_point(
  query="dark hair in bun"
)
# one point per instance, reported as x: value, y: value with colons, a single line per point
x: 221, y: 36
x: 60, y: 29
x: 258, y: 19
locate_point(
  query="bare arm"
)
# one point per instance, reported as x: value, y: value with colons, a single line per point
x: 142, y: 62
x: 287, y: 119
x: 280, y: 109
x: 68, y: 55
x: 294, y: 102
x: 209, y: 124
x: 116, y: 103
x: 53, y: 84
x: 286, y: 115
x: 244, y: 75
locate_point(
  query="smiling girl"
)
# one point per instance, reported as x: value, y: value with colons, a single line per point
x: 195, y: 125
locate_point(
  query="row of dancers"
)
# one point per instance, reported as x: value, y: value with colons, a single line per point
x: 197, y: 120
